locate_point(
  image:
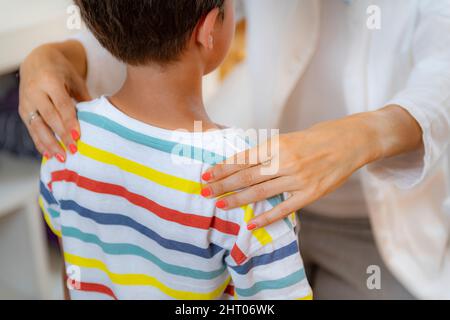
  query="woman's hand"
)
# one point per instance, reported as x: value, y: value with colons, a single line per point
x: 50, y: 77
x: 312, y: 163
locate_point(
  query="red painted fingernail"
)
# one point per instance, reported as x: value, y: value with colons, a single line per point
x: 221, y: 204
x: 75, y: 135
x: 60, y: 158
x: 207, y: 176
x: 46, y: 155
x: 73, y: 148
x: 251, y: 227
x: 206, y: 192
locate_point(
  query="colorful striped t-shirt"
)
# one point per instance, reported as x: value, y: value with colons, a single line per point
x: 134, y: 225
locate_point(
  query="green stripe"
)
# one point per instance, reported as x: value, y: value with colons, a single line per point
x: 170, y: 147
x: 285, y: 282
x: 130, y: 249
x: 55, y: 214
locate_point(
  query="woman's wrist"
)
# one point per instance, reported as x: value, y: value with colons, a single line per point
x: 388, y: 132
x: 75, y: 53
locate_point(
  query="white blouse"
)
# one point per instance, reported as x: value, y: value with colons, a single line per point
x: 319, y: 96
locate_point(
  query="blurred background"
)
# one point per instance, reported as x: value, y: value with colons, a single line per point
x: 30, y: 262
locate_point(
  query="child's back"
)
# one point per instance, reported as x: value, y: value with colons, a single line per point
x: 128, y: 204
x: 132, y: 219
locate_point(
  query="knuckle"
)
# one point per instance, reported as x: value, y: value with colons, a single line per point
x: 293, y: 163
x: 289, y: 206
x: 217, y: 171
x: 30, y: 85
x: 247, y: 177
x: 298, y: 180
x: 47, y: 78
x: 22, y: 112
x: 66, y: 106
x: 260, y: 191
x: 49, y: 115
x: 266, y: 219
x: 217, y: 188
x: 232, y: 201
x: 69, y: 121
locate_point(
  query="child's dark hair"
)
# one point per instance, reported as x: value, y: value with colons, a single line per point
x: 142, y: 31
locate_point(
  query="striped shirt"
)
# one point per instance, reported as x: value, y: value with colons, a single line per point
x: 134, y: 225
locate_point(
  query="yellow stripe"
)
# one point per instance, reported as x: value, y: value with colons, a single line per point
x: 308, y: 297
x: 144, y: 280
x: 260, y: 234
x: 160, y: 178
x: 47, y: 218
x: 163, y: 179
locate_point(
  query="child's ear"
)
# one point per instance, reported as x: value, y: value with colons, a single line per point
x: 205, y: 29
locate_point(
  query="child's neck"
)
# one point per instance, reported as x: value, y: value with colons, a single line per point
x: 169, y: 97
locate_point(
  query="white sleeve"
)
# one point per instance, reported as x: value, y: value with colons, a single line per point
x: 105, y: 73
x: 426, y: 97
x: 265, y: 264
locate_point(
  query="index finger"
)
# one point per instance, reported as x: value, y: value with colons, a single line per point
x: 277, y: 213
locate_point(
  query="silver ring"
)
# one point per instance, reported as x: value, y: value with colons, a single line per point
x: 33, y: 116
x: 267, y: 162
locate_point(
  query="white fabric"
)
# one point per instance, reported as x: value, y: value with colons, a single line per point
x: 406, y: 62
x: 319, y: 96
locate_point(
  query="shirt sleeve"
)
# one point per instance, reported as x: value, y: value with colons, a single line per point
x: 266, y: 264
x: 105, y: 73
x: 47, y: 200
x: 426, y: 97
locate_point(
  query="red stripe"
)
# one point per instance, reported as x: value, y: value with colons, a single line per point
x: 229, y: 290
x: 95, y: 287
x: 186, y: 219
x: 238, y: 255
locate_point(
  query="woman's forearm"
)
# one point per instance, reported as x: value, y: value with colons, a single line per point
x: 314, y: 162
x: 392, y: 130
x: 73, y: 51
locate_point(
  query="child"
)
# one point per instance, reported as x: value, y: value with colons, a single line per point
x: 128, y: 204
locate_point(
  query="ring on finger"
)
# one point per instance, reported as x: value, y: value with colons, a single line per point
x: 33, y: 116
x: 267, y: 162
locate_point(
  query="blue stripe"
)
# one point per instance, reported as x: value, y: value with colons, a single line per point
x: 131, y: 249
x: 267, y: 258
x: 276, y: 200
x: 118, y: 219
x: 282, y: 283
x: 46, y: 194
x: 170, y: 147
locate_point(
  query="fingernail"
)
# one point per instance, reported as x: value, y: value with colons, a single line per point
x: 46, y: 155
x: 207, y: 176
x: 75, y: 135
x: 73, y: 148
x: 60, y: 158
x: 251, y: 227
x: 206, y: 192
x: 221, y: 204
